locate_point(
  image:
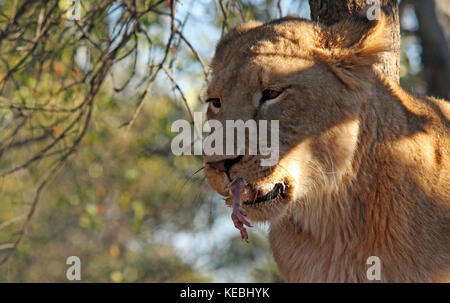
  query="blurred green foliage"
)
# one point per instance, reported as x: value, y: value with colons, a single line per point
x: 122, y: 200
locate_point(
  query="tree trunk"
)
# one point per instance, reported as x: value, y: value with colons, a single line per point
x: 435, y: 45
x: 329, y: 12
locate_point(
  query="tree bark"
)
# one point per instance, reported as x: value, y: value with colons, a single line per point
x: 329, y: 12
x: 434, y: 35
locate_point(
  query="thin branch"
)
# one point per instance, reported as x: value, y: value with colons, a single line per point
x: 177, y: 87
x: 225, y: 16
x: 280, y: 11
x: 12, y: 221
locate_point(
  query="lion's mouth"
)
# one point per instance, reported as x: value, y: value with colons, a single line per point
x: 258, y: 196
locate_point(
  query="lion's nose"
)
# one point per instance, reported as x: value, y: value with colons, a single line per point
x: 224, y: 165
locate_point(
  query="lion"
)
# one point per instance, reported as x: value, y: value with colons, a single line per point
x: 364, y: 166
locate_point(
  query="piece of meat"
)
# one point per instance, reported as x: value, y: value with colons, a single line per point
x: 238, y: 215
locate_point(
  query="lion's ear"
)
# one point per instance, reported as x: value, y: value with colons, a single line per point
x: 226, y: 43
x: 350, y: 45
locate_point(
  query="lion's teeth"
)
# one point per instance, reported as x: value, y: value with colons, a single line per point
x: 265, y: 188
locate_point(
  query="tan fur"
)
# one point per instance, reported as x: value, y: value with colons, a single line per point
x: 367, y: 164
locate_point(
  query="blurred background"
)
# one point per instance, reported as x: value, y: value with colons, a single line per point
x: 86, y: 108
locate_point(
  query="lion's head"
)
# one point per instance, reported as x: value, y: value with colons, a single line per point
x: 311, y: 79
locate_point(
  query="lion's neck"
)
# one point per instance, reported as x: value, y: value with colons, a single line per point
x: 365, y: 184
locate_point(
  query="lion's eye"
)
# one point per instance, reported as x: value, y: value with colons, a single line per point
x: 269, y: 94
x: 215, y: 102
